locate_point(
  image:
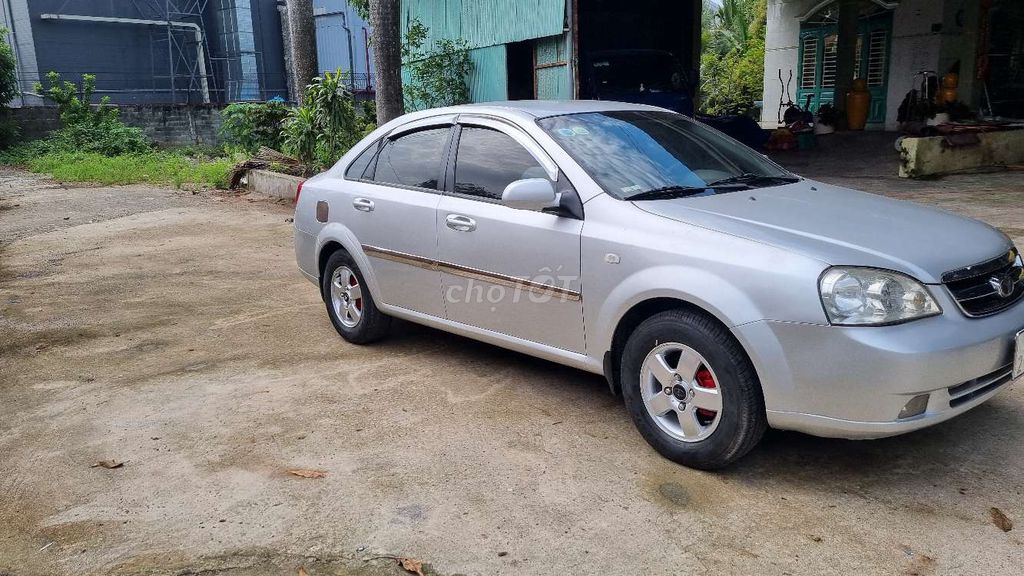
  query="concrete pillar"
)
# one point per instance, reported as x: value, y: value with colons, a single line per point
x: 846, y: 50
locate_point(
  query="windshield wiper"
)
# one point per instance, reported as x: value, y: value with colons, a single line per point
x: 751, y: 178
x: 667, y: 192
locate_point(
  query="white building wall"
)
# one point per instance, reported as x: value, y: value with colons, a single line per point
x: 782, y: 34
x: 915, y: 47
x: 916, y: 43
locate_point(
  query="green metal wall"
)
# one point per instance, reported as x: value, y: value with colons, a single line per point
x: 552, y: 75
x: 487, y: 22
x: 486, y: 26
x: 489, y: 80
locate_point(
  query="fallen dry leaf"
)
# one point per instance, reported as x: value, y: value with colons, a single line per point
x: 108, y: 464
x: 411, y: 566
x: 1001, y: 520
x: 302, y: 571
x: 301, y: 473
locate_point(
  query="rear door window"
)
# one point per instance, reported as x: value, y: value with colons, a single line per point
x: 413, y: 159
x: 358, y: 166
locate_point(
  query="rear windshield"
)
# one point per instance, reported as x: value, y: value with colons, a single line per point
x: 632, y: 152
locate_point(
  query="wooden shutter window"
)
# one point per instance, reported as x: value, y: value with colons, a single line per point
x: 828, y: 62
x: 809, y: 67
x: 876, y: 58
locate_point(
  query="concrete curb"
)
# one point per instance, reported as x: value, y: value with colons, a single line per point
x: 923, y: 157
x: 273, y: 184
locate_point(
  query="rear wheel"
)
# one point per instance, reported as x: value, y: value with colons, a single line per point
x: 691, y: 390
x: 349, y: 304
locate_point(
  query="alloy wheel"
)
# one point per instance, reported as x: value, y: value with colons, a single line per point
x: 681, y: 392
x: 346, y: 296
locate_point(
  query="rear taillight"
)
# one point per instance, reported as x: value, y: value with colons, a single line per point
x: 298, y: 190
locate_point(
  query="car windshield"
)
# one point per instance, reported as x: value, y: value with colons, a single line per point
x: 635, y: 154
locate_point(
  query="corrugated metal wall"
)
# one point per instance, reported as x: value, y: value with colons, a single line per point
x: 342, y: 41
x: 487, y: 22
x: 486, y: 26
x: 551, y: 77
x: 489, y: 80
x: 134, y: 64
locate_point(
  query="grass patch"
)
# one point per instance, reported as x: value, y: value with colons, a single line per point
x: 167, y: 168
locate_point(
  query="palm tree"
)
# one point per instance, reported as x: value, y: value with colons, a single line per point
x: 302, y: 35
x: 732, y: 25
x: 384, y: 17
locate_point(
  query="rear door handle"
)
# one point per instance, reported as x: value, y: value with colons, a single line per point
x: 363, y: 204
x: 460, y: 223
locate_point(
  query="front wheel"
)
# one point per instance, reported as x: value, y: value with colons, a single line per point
x: 691, y: 390
x: 349, y: 303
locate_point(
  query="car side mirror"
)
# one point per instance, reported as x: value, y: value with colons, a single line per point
x: 530, y: 194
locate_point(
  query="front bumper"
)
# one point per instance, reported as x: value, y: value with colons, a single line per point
x: 852, y: 382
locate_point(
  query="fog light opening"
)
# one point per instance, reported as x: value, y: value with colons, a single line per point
x: 917, y: 405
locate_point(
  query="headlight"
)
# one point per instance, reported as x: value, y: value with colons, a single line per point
x: 872, y: 297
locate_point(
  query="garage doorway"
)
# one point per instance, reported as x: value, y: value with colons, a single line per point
x: 519, y: 60
x: 643, y: 51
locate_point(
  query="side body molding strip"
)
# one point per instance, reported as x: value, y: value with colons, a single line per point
x: 467, y: 272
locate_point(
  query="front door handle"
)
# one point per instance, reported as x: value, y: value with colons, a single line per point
x: 460, y: 223
x: 363, y: 204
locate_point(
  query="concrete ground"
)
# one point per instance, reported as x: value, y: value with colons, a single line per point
x: 173, y: 333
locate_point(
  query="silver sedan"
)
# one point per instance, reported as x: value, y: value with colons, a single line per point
x: 717, y: 292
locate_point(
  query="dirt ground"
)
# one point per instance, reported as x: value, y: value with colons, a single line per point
x: 173, y: 333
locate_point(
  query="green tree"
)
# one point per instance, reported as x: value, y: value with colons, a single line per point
x: 8, y: 78
x: 732, y: 63
x: 362, y: 8
x: 8, y: 90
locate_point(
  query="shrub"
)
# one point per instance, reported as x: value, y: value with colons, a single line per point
x: 327, y: 124
x: 300, y: 134
x: 9, y: 131
x: 8, y: 79
x: 437, y: 74
x: 249, y: 125
x: 88, y: 128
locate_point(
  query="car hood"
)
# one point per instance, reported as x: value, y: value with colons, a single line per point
x: 840, y: 226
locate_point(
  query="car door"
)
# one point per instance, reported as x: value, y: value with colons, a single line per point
x: 392, y: 209
x: 508, y: 270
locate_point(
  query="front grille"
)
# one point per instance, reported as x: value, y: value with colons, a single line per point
x: 972, y: 389
x: 977, y: 288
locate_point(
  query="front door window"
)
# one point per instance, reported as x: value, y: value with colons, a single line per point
x: 488, y: 161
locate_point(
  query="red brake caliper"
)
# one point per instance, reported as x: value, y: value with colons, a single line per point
x: 359, y: 301
x: 706, y: 380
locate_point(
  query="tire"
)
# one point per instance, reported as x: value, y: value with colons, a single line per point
x: 689, y: 431
x: 352, y: 310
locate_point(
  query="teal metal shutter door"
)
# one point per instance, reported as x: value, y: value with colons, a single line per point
x: 489, y: 79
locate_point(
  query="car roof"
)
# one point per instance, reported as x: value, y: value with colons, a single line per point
x: 530, y: 109
x: 544, y: 108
